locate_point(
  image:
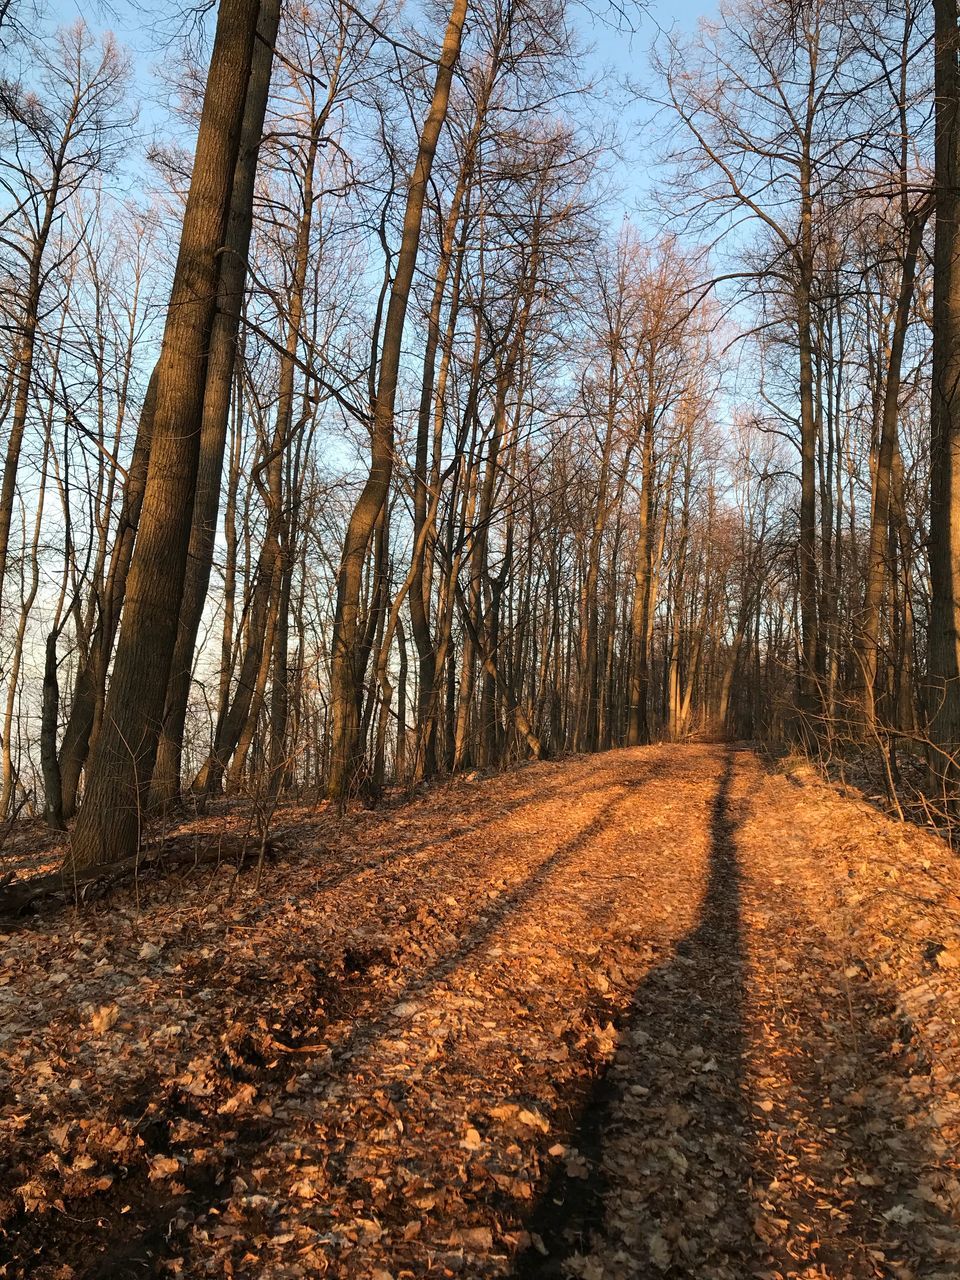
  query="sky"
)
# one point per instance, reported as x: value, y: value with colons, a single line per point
x: 145, y: 30
x: 148, y: 31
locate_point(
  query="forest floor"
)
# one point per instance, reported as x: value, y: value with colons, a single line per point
x: 664, y: 1012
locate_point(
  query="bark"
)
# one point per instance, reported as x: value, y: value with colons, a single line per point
x: 876, y: 572
x: 90, y: 685
x: 216, y: 409
x: 638, y: 729
x: 109, y: 824
x: 810, y: 655
x: 280, y: 682
x: 49, y: 711
x: 420, y: 588
x: 251, y: 695
x: 245, y: 700
x: 431, y: 413
x: 9, y: 772
x: 348, y: 673
x: 588, y: 710
x: 944, y: 660
x: 807, y: 547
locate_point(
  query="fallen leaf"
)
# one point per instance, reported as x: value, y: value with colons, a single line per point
x: 104, y: 1018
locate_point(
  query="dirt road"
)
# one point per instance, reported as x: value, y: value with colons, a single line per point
x: 660, y: 1012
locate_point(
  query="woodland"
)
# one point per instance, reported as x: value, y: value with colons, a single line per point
x: 480, y: 639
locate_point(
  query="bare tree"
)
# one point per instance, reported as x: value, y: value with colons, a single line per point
x: 109, y: 824
x: 349, y: 658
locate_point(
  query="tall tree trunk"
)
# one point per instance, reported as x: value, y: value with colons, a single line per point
x: 810, y: 653
x: 216, y: 409
x: 26, y: 349
x: 945, y: 396
x: 251, y: 696
x: 638, y: 730
x: 807, y: 548
x: 347, y: 676
x: 868, y: 640
x: 587, y: 710
x: 32, y: 558
x: 274, y: 568
x: 49, y: 709
x: 90, y: 684
x: 109, y: 824
x: 280, y: 683
x: 429, y: 414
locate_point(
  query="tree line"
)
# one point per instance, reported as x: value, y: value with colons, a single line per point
x: 370, y: 442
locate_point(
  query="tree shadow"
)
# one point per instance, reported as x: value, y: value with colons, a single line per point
x: 133, y: 1228
x: 671, y: 1104
x: 682, y: 1159
x: 158, y: 878
x: 700, y: 1153
x: 490, y: 923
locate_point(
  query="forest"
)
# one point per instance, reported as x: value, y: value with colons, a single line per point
x: 480, y: 639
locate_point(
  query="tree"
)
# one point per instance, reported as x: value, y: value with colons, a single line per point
x: 50, y: 146
x: 121, y: 769
x: 218, y: 393
x: 945, y: 395
x: 349, y: 653
x: 760, y: 96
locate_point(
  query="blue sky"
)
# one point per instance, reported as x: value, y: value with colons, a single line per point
x: 146, y: 31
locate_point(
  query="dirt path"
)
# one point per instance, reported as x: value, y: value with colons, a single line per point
x: 655, y: 1013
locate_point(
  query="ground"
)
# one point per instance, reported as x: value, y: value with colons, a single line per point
x: 666, y: 1012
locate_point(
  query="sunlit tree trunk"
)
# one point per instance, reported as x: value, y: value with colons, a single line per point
x: 120, y: 771
x: 638, y: 730
x: 347, y: 675
x: 876, y: 570
x: 945, y: 394
x: 216, y: 409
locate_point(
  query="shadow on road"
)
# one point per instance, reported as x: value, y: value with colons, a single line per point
x: 134, y: 1228
x: 664, y: 1130
x: 697, y: 1170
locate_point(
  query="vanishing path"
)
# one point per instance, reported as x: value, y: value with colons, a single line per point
x: 659, y: 1012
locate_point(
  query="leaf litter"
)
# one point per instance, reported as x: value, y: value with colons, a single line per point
x: 660, y: 1012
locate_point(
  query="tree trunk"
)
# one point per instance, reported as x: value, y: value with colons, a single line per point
x: 216, y: 410
x: 880, y: 516
x: 109, y: 824
x: 638, y: 730
x: 945, y: 398
x: 90, y: 684
x: 347, y: 676
x: 49, y: 709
